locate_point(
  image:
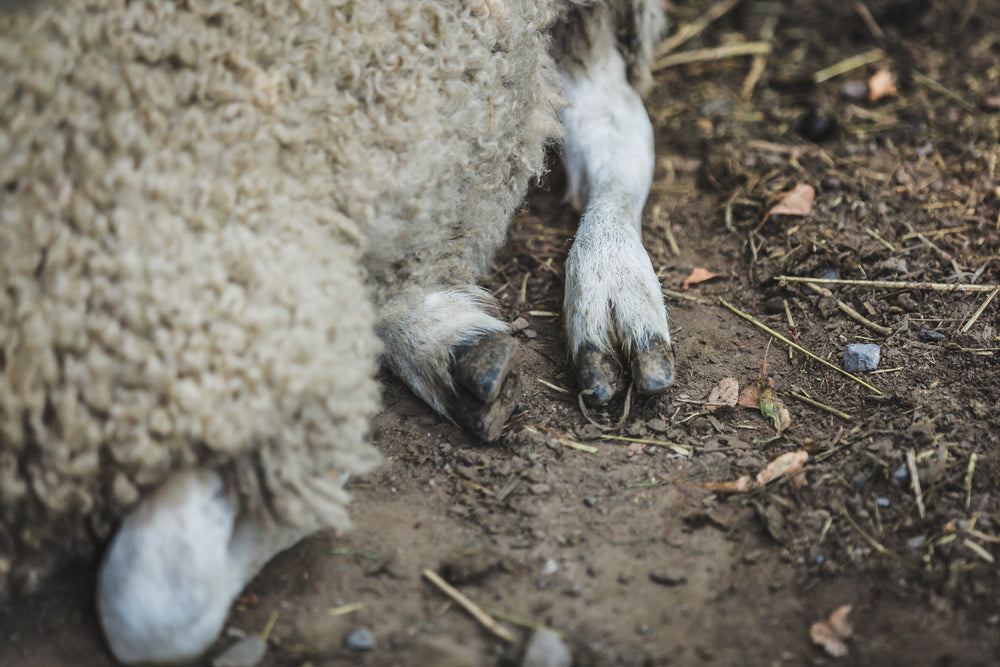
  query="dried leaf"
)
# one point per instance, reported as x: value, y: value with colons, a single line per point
x: 749, y: 397
x: 786, y: 464
x: 772, y: 407
x: 725, y: 393
x: 882, y: 84
x: 634, y: 448
x: 838, y: 621
x: 698, y: 276
x: 830, y: 634
x: 799, y: 480
x: 797, y: 201
x: 741, y: 485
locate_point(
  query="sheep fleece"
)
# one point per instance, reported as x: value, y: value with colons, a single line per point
x: 203, y: 206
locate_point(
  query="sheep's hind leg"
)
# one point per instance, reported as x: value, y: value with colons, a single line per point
x: 613, y: 304
x: 175, y: 566
x: 453, y: 355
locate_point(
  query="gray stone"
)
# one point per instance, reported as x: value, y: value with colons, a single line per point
x: 545, y: 649
x: 861, y: 357
x: 361, y: 639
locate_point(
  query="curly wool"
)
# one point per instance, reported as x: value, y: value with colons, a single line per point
x: 205, y: 203
x: 189, y: 190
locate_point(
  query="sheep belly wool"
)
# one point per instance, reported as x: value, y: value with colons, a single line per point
x: 203, y: 205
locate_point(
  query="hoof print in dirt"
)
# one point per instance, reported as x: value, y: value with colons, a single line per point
x: 483, y: 365
x: 653, y: 367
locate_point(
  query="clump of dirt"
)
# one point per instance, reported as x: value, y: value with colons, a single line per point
x: 616, y: 542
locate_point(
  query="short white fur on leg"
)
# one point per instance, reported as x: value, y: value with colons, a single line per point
x: 613, y: 298
x: 173, y: 569
x: 420, y: 337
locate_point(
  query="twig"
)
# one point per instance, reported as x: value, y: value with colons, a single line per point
x: 798, y: 347
x: 911, y: 465
x: 845, y: 66
x: 871, y: 540
x: 686, y: 32
x: 345, y: 609
x: 522, y: 622
x: 759, y: 62
x: 683, y: 450
x: 481, y: 616
x: 925, y: 80
x: 554, y: 387
x: 968, y: 480
x: 937, y: 249
x: 572, y: 444
x: 872, y: 233
x: 890, y: 284
x: 873, y: 27
x: 621, y: 422
x: 817, y: 404
x: 979, y: 551
x: 975, y: 316
x: 269, y: 626
x: 715, y: 53
x: 850, y: 312
x: 674, y: 294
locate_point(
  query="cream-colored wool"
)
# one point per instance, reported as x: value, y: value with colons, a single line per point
x: 204, y: 207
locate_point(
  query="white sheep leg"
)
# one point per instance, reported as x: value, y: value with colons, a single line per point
x: 453, y: 355
x: 613, y: 303
x: 174, y: 567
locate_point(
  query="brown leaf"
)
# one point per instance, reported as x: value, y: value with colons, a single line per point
x: 830, y: 634
x: 786, y: 464
x: 882, y: 84
x: 725, y: 393
x: 749, y: 397
x: 797, y: 201
x: 698, y: 276
x: 741, y: 485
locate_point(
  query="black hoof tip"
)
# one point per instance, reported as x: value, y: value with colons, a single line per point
x: 599, y: 375
x: 483, y: 365
x: 653, y: 367
x: 486, y: 420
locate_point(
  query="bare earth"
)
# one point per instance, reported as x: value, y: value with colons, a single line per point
x: 622, y: 550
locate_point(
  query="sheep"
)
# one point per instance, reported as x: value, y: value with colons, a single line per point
x: 219, y: 217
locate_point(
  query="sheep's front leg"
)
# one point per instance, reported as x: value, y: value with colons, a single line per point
x: 613, y: 304
x: 453, y: 355
x: 175, y: 566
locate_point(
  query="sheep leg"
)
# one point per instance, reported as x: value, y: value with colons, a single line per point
x: 175, y: 566
x: 613, y: 304
x: 453, y: 355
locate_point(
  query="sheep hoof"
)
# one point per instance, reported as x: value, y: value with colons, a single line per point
x: 483, y: 365
x: 486, y: 420
x: 599, y: 375
x: 653, y: 367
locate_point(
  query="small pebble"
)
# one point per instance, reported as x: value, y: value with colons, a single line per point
x: 830, y: 274
x: 916, y: 542
x: 817, y: 126
x: 550, y: 567
x: 931, y: 335
x: 247, y: 652
x: 901, y: 475
x: 539, y: 489
x: 545, y: 649
x: 882, y: 502
x: 590, y: 501
x: 667, y: 578
x: 520, y: 324
x: 361, y: 639
x: 530, y: 334
x: 861, y: 357
x: 854, y: 90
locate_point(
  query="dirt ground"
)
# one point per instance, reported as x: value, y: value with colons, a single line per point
x: 618, y: 545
